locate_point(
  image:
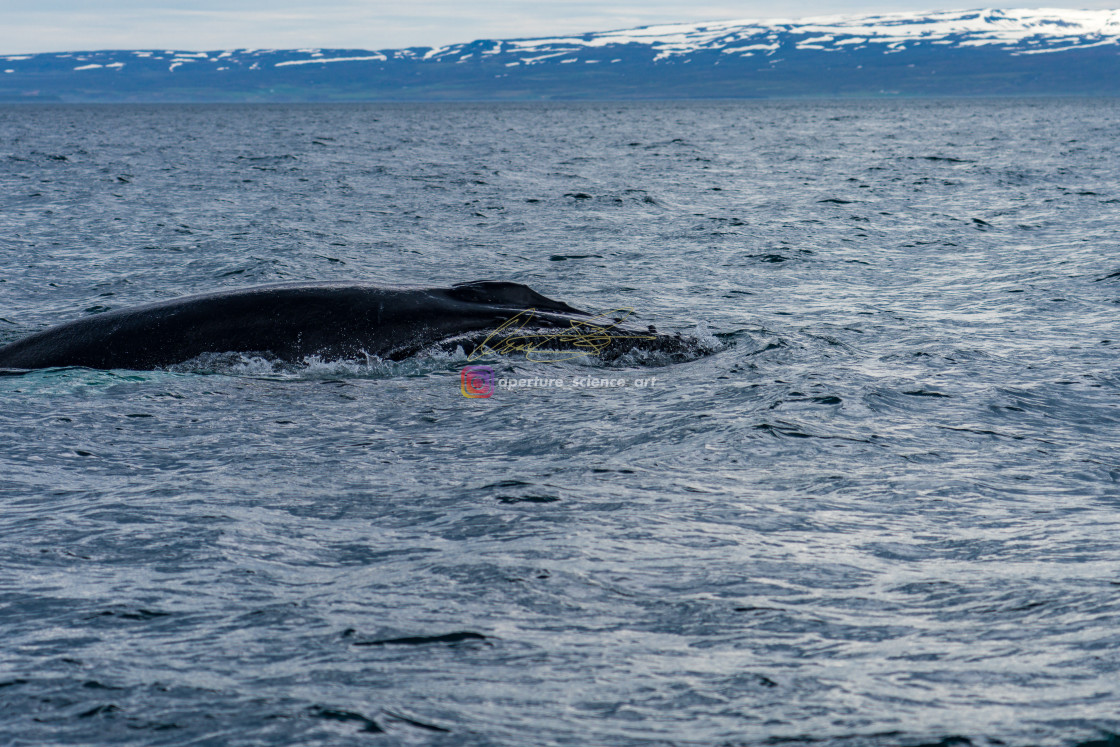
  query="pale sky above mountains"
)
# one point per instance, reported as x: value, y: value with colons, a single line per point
x: 71, y: 25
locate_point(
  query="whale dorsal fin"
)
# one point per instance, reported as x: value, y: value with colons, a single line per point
x: 509, y: 294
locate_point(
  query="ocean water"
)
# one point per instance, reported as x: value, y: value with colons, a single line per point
x: 883, y: 508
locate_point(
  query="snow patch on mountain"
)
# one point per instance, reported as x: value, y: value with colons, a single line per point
x: 1013, y: 30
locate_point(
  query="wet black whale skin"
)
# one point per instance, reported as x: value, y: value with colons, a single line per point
x: 289, y: 321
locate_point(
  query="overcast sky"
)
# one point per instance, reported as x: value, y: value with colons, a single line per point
x: 68, y: 25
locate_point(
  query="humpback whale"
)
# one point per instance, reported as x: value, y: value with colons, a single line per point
x: 333, y: 320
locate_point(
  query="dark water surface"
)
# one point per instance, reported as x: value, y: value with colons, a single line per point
x: 886, y: 511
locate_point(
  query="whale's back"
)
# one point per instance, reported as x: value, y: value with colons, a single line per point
x: 289, y: 321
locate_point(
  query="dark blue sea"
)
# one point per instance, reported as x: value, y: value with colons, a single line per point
x: 880, y: 506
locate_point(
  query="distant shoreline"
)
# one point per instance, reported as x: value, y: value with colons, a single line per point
x: 974, y: 53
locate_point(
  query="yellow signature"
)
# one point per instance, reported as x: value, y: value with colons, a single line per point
x: 584, y: 337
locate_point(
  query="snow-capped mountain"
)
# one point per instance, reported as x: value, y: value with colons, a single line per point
x: 1015, y: 31
x: 997, y: 52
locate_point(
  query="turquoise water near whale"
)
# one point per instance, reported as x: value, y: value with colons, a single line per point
x: 881, y: 509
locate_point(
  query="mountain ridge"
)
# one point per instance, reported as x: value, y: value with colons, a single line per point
x: 976, y: 52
